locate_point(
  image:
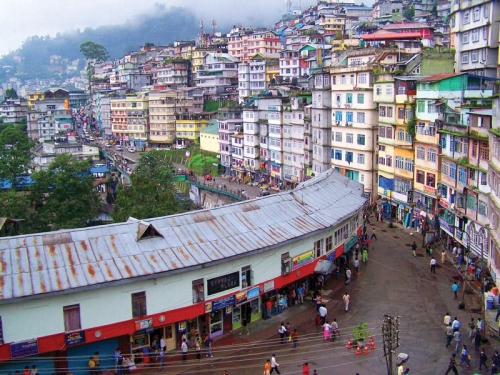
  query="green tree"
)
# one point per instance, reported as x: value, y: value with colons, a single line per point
x: 94, y: 51
x: 15, y: 205
x: 11, y: 94
x: 151, y: 193
x: 63, y: 195
x: 409, y: 13
x: 15, y: 153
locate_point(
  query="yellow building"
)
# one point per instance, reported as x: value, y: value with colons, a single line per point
x: 162, y: 109
x: 197, y: 56
x: 119, y: 118
x: 209, y: 137
x: 331, y: 23
x: 188, y: 127
x: 138, y: 118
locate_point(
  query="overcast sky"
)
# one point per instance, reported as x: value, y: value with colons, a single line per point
x: 21, y: 19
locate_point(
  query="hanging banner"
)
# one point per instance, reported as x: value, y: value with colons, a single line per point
x: 303, y: 259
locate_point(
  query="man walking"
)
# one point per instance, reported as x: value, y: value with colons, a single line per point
x: 346, y: 298
x: 347, y: 275
x: 184, y: 350
x: 365, y: 255
x: 281, y: 331
x: 373, y: 234
x: 454, y: 289
x: 322, y: 313
x: 274, y: 365
x: 457, y: 336
x: 452, y: 366
x: 449, y: 334
x: 356, y: 266
x: 295, y: 339
x: 414, y: 248
x: 433, y: 265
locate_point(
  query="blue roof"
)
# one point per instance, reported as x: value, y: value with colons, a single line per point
x: 22, y: 182
x: 99, y: 170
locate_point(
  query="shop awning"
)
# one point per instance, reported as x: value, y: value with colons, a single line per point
x: 324, y: 267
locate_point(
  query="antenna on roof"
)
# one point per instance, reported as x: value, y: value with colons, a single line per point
x: 214, y: 26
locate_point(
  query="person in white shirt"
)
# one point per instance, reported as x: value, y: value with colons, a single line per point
x: 433, y: 265
x: 326, y: 330
x: 163, y: 343
x: 348, y: 276
x: 334, y: 329
x: 447, y: 319
x: 322, y: 313
x: 274, y: 365
x: 346, y: 298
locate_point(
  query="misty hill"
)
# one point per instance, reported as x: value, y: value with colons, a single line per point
x: 32, y: 60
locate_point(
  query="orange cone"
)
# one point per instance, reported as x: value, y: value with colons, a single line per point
x: 367, y: 350
x: 372, y: 343
x: 349, y: 344
x: 358, y: 350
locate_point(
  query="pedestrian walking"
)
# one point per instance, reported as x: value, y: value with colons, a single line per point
x: 90, y: 364
x: 482, y: 359
x: 318, y: 322
x: 208, y: 346
x: 267, y: 367
x: 288, y: 332
x: 184, y: 350
x: 348, y: 275
x: 295, y: 339
x: 433, y: 265
x: 443, y: 256
x: 300, y: 294
x: 414, y: 248
x: 472, y: 330
x: 465, y: 356
x: 454, y: 289
x: 477, y: 340
x: 117, y: 357
x: 305, y: 368
x: 322, y: 313
x: 244, y: 324
x: 346, y: 298
x: 161, y: 359
x: 365, y: 255
x: 452, y: 365
x: 479, y: 325
x: 326, y: 330
x: 373, y: 234
x: 274, y: 365
x: 356, y: 266
x: 447, y: 319
x: 282, y: 331
x: 335, y: 329
x: 449, y: 334
x: 457, y: 337
x: 456, y: 324
x: 197, y: 347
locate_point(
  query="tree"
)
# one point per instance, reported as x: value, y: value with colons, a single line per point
x: 409, y: 13
x: 152, y: 190
x: 11, y: 94
x: 94, y: 51
x: 63, y: 195
x: 15, y: 153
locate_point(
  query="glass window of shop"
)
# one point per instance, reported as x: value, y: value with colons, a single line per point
x: 246, y: 277
x: 198, y: 290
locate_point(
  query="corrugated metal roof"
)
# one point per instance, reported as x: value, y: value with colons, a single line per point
x: 37, y: 264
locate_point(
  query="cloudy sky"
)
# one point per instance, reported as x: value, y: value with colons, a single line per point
x: 24, y: 18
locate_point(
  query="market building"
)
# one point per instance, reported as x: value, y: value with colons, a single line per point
x: 198, y: 271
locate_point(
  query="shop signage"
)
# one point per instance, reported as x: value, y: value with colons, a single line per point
x: 144, y: 324
x: 268, y: 286
x: 288, y: 177
x: 241, y: 297
x: 303, y: 259
x: 330, y: 256
x: 220, y: 304
x: 445, y: 226
x: 181, y: 326
x: 73, y: 338
x: 24, y: 348
x: 253, y: 293
x: 223, y: 283
x: 351, y: 242
x: 429, y: 189
x: 339, y: 251
x: 443, y: 203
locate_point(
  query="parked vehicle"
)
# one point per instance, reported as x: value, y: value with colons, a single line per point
x: 180, y: 147
x: 208, y: 177
x: 119, y: 148
x: 131, y: 149
x: 264, y: 190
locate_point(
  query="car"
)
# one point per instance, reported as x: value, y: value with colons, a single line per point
x: 119, y: 148
x: 208, y: 177
x: 131, y: 149
x: 264, y: 190
x: 180, y: 147
x: 107, y: 145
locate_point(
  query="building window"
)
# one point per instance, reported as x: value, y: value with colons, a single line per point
x: 361, y: 139
x: 361, y: 158
x: 139, y: 304
x: 361, y: 80
x: 343, y: 79
x: 246, y: 277
x: 401, y: 135
x: 431, y: 155
x: 329, y: 243
x: 348, y: 98
x: 453, y: 171
x: 466, y: 18
x: 421, y: 153
x: 465, y: 57
x: 484, y: 151
x: 399, y: 162
x: 409, y: 164
x: 420, y: 106
x: 465, y: 37
x: 388, y: 90
x: 72, y: 318
x: 361, y: 98
x: 348, y: 156
x: 349, y: 138
x: 361, y: 117
x: 338, y: 154
x: 462, y: 175
x: 431, y: 180
x: 445, y: 168
x: 198, y: 291
x: 475, y: 35
x: 475, y: 14
x: 471, y: 202
x: 338, y: 137
x: 482, y: 209
x: 401, y: 113
x: 388, y: 161
x: 338, y: 116
x: 381, y: 111
x: 420, y: 176
x: 378, y: 90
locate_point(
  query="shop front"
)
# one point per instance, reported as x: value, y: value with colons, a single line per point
x: 247, y: 306
x: 219, y: 315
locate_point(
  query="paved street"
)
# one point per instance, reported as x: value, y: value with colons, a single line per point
x: 393, y: 282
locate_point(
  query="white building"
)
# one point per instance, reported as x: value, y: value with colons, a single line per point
x: 217, y: 74
x: 45, y: 153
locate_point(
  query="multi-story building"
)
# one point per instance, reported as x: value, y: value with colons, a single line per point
x: 78, y: 99
x: 474, y: 36
x: 209, y: 137
x: 437, y: 96
x: 493, y: 210
x: 256, y: 75
x: 188, y: 127
x: 174, y: 74
x: 218, y: 73
x: 197, y: 58
x: 243, y: 43
x: 230, y: 121
x: 332, y: 23
x: 119, y: 119
x: 45, y: 153
x: 289, y: 65
x: 13, y: 111
x: 48, y: 114
x: 355, y: 119
x: 102, y: 111
x: 138, y: 119
x: 163, y: 107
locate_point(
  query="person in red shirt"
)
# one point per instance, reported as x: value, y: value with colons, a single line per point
x: 269, y: 307
x: 305, y: 368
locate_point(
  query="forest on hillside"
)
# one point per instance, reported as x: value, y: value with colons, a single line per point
x: 162, y: 27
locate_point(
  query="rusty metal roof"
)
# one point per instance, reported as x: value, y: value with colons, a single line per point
x: 61, y: 261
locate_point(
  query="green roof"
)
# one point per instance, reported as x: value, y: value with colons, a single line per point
x: 211, y: 129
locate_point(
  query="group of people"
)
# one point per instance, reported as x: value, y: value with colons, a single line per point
x: 28, y: 371
x: 123, y: 365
